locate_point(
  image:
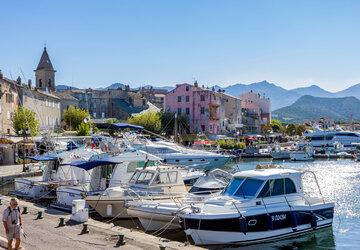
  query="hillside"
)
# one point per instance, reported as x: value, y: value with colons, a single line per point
x: 311, y: 108
x: 314, y: 90
x: 279, y: 96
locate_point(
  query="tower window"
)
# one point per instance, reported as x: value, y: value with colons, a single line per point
x: 40, y: 83
x: 49, y: 82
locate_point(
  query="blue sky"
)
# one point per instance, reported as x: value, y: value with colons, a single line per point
x: 96, y: 43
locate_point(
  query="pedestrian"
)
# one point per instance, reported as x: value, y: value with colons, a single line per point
x: 12, y: 223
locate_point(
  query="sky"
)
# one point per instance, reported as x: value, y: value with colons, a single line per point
x: 163, y: 43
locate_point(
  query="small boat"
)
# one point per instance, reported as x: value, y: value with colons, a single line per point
x: 278, y: 154
x: 257, y: 206
x: 157, y: 215
x: 305, y: 155
x: 159, y: 182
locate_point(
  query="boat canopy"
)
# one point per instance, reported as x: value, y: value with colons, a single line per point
x: 42, y: 158
x: 87, y: 165
x: 118, y: 126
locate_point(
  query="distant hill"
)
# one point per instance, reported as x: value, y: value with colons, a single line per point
x: 113, y: 86
x: 314, y: 90
x: 279, y: 96
x: 351, y: 91
x: 64, y: 87
x: 311, y: 108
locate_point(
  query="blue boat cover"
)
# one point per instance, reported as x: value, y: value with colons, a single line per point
x: 42, y: 158
x: 71, y: 146
x: 118, y: 126
x: 87, y: 165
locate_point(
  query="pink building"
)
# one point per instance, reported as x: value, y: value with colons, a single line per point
x: 200, y: 105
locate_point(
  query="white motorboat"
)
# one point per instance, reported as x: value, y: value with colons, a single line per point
x: 101, y: 171
x: 278, y: 154
x: 257, y: 206
x: 161, y: 214
x: 54, y: 174
x: 305, y: 155
x: 155, y: 183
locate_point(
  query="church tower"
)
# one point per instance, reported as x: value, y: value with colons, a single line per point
x: 45, y: 73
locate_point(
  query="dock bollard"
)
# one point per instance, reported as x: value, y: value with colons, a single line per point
x: 85, y: 229
x: 162, y: 247
x: 25, y: 211
x: 62, y: 222
x: 40, y: 216
x: 121, y: 240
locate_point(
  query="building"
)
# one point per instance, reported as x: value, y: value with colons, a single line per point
x: 200, y: 105
x: 230, y: 113
x: 66, y: 101
x: 256, y: 112
x: 8, y: 103
x: 45, y: 73
x: 155, y: 96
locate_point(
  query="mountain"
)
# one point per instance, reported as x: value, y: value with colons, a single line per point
x: 313, y: 90
x: 64, y: 87
x: 311, y: 108
x: 279, y: 96
x: 113, y: 86
x: 351, y: 91
x: 168, y: 88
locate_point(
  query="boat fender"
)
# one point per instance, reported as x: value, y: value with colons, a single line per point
x: 293, y: 221
x: 313, y: 221
x: 269, y: 222
x: 243, y: 225
x: 109, y: 210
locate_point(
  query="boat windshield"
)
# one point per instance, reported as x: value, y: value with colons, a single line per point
x: 144, y: 178
x: 134, y: 177
x: 245, y: 188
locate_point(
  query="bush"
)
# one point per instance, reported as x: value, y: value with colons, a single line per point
x: 225, y: 144
x: 240, y: 145
x: 83, y: 129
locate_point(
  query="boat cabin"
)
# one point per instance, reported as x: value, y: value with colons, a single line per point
x: 262, y: 183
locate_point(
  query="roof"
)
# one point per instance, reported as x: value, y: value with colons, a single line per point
x: 269, y: 173
x: 45, y: 62
x: 126, y: 106
x: 65, y: 96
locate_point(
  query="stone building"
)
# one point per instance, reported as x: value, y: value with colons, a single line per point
x: 8, y: 103
x: 45, y: 73
x: 155, y: 96
x: 230, y: 113
x: 66, y: 101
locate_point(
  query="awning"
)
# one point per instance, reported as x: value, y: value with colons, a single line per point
x: 42, y: 158
x: 118, y: 126
x: 87, y: 165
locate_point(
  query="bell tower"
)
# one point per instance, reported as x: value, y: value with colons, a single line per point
x: 45, y: 73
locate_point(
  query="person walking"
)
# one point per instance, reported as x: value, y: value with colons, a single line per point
x: 12, y: 223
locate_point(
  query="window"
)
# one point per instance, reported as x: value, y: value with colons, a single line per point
x: 202, y: 110
x: 187, y: 88
x: 202, y: 98
x: 49, y: 83
x: 187, y: 98
x: 94, y: 105
x: 144, y: 178
x: 94, y: 115
x: 8, y: 115
x: 134, y: 177
x: 233, y: 186
x: 102, y: 115
x: 203, y: 128
x: 188, y: 111
x: 210, y: 128
x: 249, y: 188
x: 265, y: 192
x: 179, y: 98
x: 166, y: 178
x: 179, y: 111
x: 0, y: 108
x: 40, y: 83
x: 277, y: 187
x: 289, y: 186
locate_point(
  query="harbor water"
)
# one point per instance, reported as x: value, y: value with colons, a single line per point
x: 339, y: 181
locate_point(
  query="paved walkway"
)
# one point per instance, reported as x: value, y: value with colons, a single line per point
x: 45, y: 233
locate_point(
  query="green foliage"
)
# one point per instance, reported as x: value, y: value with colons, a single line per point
x: 240, y: 145
x: 95, y: 130
x: 151, y: 121
x: 24, y: 119
x: 83, y: 129
x: 112, y: 121
x: 73, y: 117
x: 275, y: 125
x: 300, y: 129
x: 267, y: 129
x: 291, y: 129
x: 225, y: 144
x: 168, y: 122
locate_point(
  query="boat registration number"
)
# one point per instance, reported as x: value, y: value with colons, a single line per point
x: 278, y: 217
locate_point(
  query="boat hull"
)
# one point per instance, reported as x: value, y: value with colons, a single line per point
x: 228, y: 230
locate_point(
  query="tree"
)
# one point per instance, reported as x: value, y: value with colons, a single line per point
x: 168, y: 122
x: 300, y: 129
x: 151, y: 121
x: 25, y: 122
x: 291, y: 129
x: 276, y: 125
x: 83, y: 129
x: 267, y: 129
x: 73, y: 117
